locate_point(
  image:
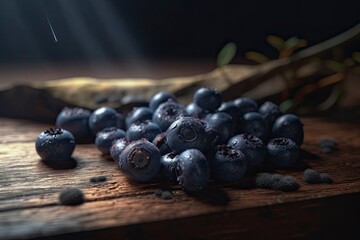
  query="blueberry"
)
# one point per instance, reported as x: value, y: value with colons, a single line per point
x: 282, y: 152
x: 253, y: 123
x: 161, y: 143
x: 106, y: 137
x: 186, y: 133
x: 192, y: 170
x: 105, y: 117
x: 246, y: 104
x: 97, y: 179
x: 160, y: 98
x: 76, y: 121
x: 167, y: 113
x: 195, y: 111
x: 235, y: 112
x: 227, y: 164
x: 138, y: 115
x: 168, y: 166
x: 276, y: 182
x: 55, y: 144
x: 270, y: 112
x: 145, y: 129
x: 117, y: 147
x: 252, y: 147
x: 208, y: 98
x: 140, y: 161
x: 224, y: 125
x: 289, y: 126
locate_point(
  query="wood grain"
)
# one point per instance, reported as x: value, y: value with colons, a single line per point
x: 118, y: 208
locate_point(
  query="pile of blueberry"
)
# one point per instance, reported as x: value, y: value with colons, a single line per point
x: 207, y: 139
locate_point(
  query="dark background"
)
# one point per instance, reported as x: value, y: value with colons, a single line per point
x: 179, y: 29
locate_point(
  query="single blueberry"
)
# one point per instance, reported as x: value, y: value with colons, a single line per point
x: 235, y: 112
x: 145, y: 129
x: 106, y: 137
x: 252, y: 147
x: 161, y: 143
x: 270, y: 112
x: 138, y: 114
x: 246, y: 104
x: 167, y: 113
x: 253, y: 123
x: 227, y: 164
x: 195, y: 111
x: 140, y: 161
x: 193, y: 170
x: 168, y: 166
x: 55, y: 145
x: 224, y: 125
x: 76, y: 121
x: 105, y: 117
x: 160, y: 98
x: 117, y: 147
x: 208, y: 98
x: 282, y: 152
x: 186, y: 133
x: 289, y: 126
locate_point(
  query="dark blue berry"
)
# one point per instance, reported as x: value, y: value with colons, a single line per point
x: 117, y: 147
x: 55, y: 145
x: 160, y: 98
x: 252, y: 147
x: 192, y: 170
x: 208, y: 98
x: 105, y: 117
x: 246, y: 104
x: 227, y: 164
x: 106, y: 137
x: 186, y: 133
x: 140, y: 161
x: 253, y: 123
x: 235, y: 112
x: 168, y: 166
x: 289, y: 126
x: 161, y: 143
x: 276, y: 182
x: 167, y: 113
x: 76, y: 121
x: 223, y: 124
x: 71, y: 197
x: 139, y: 114
x: 270, y: 112
x: 282, y: 152
x: 195, y: 111
x: 145, y: 129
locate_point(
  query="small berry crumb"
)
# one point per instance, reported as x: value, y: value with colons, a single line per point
x: 313, y: 177
x: 276, y: 182
x: 71, y: 197
x: 96, y: 179
x: 327, y: 145
x: 166, y: 195
x: 158, y: 192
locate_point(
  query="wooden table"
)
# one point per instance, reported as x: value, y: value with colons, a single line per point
x: 119, y: 209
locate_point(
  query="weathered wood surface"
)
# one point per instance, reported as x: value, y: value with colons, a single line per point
x: 118, y: 209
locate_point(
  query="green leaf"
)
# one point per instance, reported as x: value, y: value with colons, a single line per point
x: 226, y: 54
x: 334, y: 65
x: 356, y: 56
x: 286, y: 105
x: 291, y: 42
x: 256, y: 57
x: 275, y: 41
